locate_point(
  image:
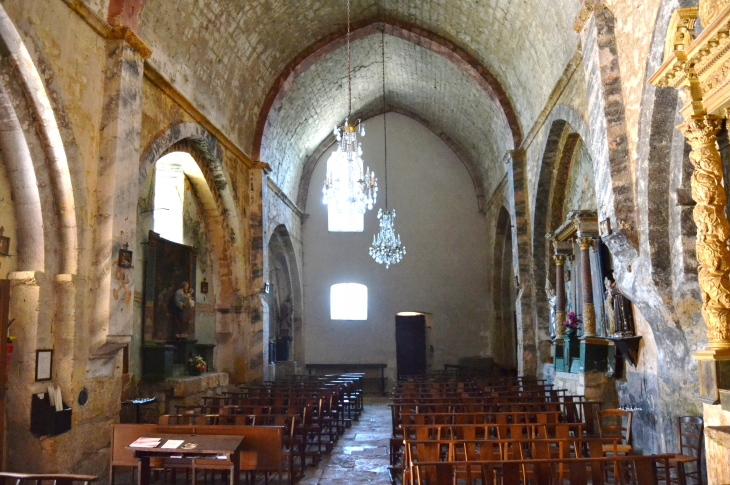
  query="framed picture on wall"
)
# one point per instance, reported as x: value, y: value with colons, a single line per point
x: 125, y: 258
x: 43, y: 364
x: 4, y: 243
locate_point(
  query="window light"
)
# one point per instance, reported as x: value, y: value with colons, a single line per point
x: 349, y: 301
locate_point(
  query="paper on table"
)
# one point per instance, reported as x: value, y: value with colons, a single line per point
x: 173, y: 443
x: 145, y: 443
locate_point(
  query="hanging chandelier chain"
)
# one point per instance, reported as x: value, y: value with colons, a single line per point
x: 349, y: 67
x: 385, y: 124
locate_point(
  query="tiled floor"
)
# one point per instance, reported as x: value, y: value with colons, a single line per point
x: 361, y: 454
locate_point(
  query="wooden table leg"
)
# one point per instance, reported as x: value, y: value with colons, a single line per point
x: 143, y: 470
x: 236, y: 468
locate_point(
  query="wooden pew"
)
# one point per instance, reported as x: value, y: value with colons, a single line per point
x: 7, y: 478
x: 635, y: 470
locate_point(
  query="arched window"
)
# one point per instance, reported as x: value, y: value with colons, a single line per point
x: 170, y: 173
x: 349, y: 301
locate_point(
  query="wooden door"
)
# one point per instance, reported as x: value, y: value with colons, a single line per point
x: 4, y: 311
x: 410, y: 345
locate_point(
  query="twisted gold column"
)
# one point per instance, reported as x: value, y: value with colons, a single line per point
x: 559, y: 294
x: 589, y: 311
x: 713, y: 230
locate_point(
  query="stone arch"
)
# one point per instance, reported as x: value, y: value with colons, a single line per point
x: 222, y: 224
x: 397, y: 28
x: 215, y: 196
x: 558, y: 151
x: 39, y: 160
x: 504, y: 340
x: 470, y: 165
x: 281, y: 255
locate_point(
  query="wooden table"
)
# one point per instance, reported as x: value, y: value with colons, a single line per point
x: 207, y: 446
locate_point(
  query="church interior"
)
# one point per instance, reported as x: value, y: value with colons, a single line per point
x: 198, y: 201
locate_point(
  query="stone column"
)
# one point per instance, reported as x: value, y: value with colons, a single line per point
x: 589, y: 311
x: 117, y: 192
x: 559, y: 294
x: 713, y: 230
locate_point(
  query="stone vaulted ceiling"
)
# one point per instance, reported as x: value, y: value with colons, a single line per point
x: 271, y: 73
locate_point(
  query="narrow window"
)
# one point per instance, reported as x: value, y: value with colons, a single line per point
x: 349, y: 301
x: 170, y: 196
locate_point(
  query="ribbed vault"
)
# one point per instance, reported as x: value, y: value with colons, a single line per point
x: 231, y: 58
x: 424, y: 82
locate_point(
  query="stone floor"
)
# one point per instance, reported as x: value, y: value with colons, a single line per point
x: 361, y: 454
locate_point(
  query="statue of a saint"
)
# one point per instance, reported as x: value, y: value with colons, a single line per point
x: 623, y: 313
x: 550, y: 292
x: 184, y: 304
x: 608, y: 307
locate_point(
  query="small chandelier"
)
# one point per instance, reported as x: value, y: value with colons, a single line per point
x: 387, y: 248
x: 346, y: 182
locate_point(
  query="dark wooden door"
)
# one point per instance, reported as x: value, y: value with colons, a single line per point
x: 410, y: 345
x: 4, y: 311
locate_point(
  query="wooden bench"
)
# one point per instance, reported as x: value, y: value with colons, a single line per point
x: 633, y: 470
x: 263, y: 450
x: 349, y: 369
x: 7, y: 478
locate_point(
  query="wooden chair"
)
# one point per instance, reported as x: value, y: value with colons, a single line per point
x: 689, y: 430
x: 616, y: 423
x: 121, y: 436
x: 7, y: 478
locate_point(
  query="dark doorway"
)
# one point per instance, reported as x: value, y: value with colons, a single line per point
x: 410, y: 344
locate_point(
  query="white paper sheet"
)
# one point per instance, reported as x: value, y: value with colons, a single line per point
x: 173, y: 444
x: 58, y: 401
x: 145, y: 443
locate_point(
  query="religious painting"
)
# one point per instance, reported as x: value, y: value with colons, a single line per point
x: 125, y: 258
x: 169, y: 291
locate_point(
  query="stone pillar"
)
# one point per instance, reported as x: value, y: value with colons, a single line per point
x: 589, y: 311
x: 117, y: 192
x: 559, y: 294
x: 713, y: 230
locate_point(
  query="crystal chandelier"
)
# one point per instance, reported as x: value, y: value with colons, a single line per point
x: 387, y: 248
x: 346, y: 182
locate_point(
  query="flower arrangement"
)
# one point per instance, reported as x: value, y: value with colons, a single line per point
x: 196, y: 364
x: 571, y: 322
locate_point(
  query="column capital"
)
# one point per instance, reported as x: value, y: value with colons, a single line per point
x: 584, y: 243
x: 559, y: 259
x: 701, y: 130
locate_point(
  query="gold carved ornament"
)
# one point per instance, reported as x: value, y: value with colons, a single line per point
x: 710, y: 9
x: 589, y: 320
x: 713, y: 229
x: 560, y: 315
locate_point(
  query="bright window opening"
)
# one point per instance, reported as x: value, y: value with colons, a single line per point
x: 349, y: 301
x: 170, y: 174
x: 342, y: 216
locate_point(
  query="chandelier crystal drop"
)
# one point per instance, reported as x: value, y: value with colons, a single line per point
x: 387, y: 248
x: 346, y: 182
